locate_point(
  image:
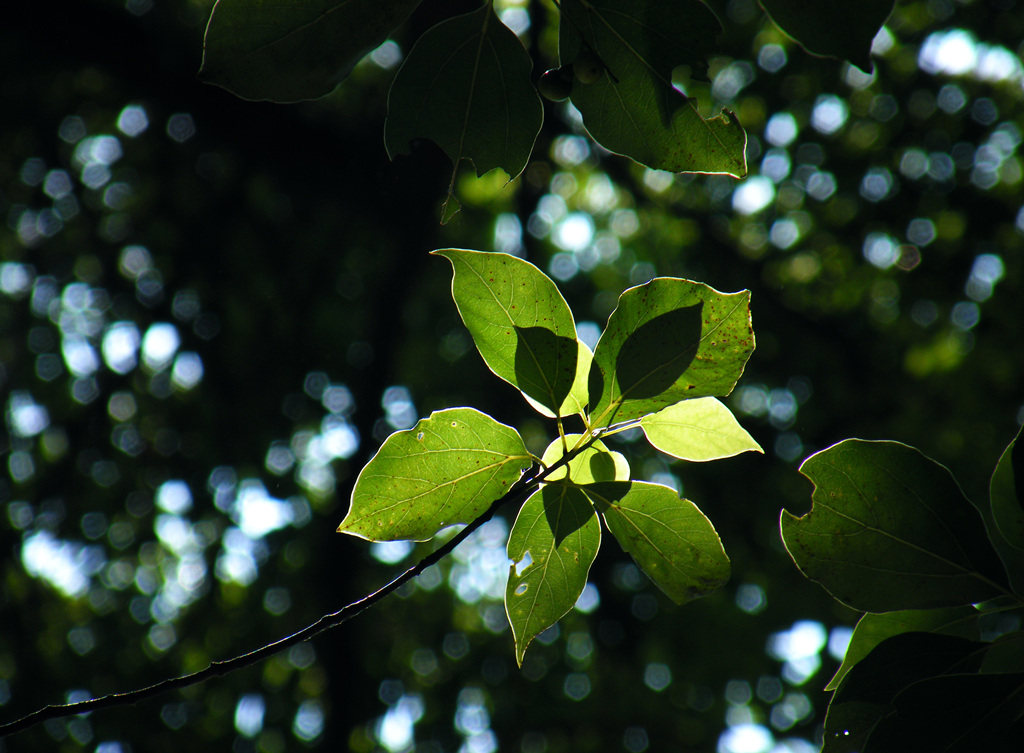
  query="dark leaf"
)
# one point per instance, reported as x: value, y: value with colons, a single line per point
x: 890, y: 529
x: 625, y: 52
x: 841, y: 29
x: 286, y: 52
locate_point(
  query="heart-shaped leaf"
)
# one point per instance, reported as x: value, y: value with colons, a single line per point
x: 890, y: 529
x: 520, y: 323
x: 466, y: 86
x: 625, y: 92
x: 668, y: 537
x: 552, y: 545
x: 697, y: 430
x: 286, y: 52
x: 447, y: 469
x: 668, y: 340
x: 841, y: 29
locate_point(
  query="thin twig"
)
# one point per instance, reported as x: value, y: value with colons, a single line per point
x: 328, y: 621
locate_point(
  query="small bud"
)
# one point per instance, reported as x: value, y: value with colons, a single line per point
x: 588, y: 67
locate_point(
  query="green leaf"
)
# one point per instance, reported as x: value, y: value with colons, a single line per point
x: 595, y: 463
x: 575, y: 402
x: 841, y: 29
x: 286, y: 52
x: 520, y: 323
x: 552, y: 545
x: 668, y: 340
x: 1007, y: 493
x: 633, y: 108
x: 890, y: 529
x: 447, y: 469
x: 872, y: 629
x: 865, y: 695
x: 700, y: 429
x: 466, y: 86
x: 668, y: 537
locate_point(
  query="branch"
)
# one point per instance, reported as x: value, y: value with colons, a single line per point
x: 328, y: 621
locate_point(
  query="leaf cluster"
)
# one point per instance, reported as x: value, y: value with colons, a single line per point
x: 670, y: 347
x: 467, y: 82
x: 890, y: 533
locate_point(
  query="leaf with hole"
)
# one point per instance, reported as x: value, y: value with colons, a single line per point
x: 626, y: 51
x: 668, y: 537
x: 668, y: 340
x: 287, y: 52
x: 841, y: 29
x: 520, y: 323
x: 698, y: 430
x: 557, y: 532
x: 466, y: 86
x: 890, y: 529
x: 446, y: 470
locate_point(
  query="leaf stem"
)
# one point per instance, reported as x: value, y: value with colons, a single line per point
x: 521, y: 488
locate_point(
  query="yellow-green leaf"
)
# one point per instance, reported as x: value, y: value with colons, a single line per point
x: 668, y: 340
x: 700, y: 429
x: 520, y: 323
x: 552, y: 545
x: 668, y: 537
x: 596, y: 463
x: 447, y: 469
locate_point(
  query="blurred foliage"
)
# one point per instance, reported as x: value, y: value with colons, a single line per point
x: 212, y: 312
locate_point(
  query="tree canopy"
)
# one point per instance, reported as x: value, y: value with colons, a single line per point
x: 715, y: 278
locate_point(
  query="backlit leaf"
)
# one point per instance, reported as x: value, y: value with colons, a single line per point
x: 841, y: 29
x: 668, y: 537
x: 632, y: 107
x: 552, y: 545
x: 520, y: 323
x: 596, y: 463
x: 890, y: 529
x: 447, y: 469
x: 575, y: 402
x: 668, y: 340
x: 466, y: 86
x: 872, y: 629
x: 286, y: 52
x: 700, y: 429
